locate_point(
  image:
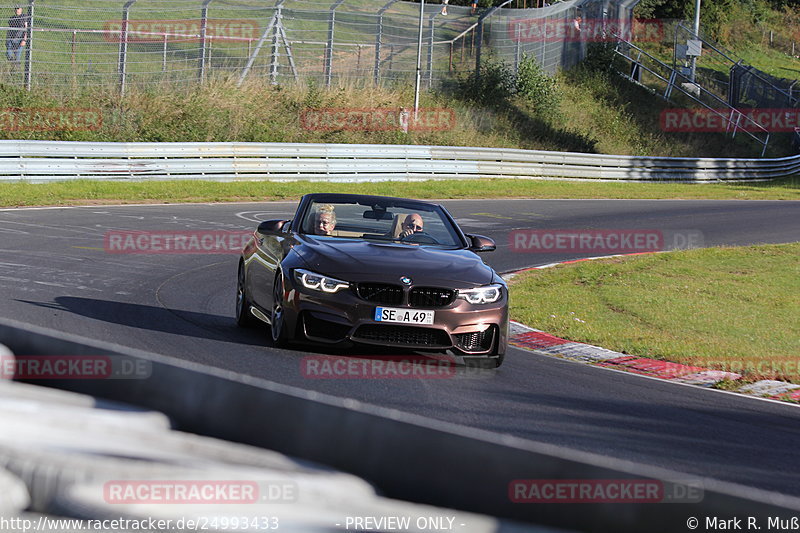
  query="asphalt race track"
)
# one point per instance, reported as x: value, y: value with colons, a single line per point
x: 54, y: 272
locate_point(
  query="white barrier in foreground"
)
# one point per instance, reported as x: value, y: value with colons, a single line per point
x: 43, y: 161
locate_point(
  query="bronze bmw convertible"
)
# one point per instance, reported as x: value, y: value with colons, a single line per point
x: 374, y: 270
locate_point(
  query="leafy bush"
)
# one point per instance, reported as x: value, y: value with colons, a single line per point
x: 535, y: 86
x: 497, y: 82
x: 492, y: 84
x: 599, y: 56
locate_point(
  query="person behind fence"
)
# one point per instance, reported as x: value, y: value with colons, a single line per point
x: 15, y: 35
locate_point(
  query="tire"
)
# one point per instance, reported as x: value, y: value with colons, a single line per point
x: 280, y: 336
x: 244, y: 318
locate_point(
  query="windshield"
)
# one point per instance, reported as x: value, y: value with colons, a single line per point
x: 417, y: 224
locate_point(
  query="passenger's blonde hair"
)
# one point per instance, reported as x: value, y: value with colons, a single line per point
x: 327, y: 208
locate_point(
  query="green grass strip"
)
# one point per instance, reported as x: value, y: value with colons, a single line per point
x: 83, y: 192
x: 732, y: 309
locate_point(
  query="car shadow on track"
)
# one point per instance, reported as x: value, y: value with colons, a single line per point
x: 156, y: 318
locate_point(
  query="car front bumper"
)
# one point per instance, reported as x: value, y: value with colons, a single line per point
x: 468, y: 329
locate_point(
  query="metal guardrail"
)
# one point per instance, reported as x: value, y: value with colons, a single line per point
x: 44, y: 161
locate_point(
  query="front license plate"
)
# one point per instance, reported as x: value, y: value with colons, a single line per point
x: 403, y: 316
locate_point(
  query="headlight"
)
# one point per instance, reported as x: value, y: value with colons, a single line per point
x: 482, y: 295
x: 318, y: 282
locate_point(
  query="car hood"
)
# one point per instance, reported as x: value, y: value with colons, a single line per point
x: 358, y: 260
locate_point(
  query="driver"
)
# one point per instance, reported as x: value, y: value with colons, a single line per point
x: 412, y: 224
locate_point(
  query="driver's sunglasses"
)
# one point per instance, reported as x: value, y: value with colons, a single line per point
x: 414, y: 226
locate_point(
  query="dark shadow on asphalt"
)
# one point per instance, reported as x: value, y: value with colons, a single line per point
x: 156, y: 318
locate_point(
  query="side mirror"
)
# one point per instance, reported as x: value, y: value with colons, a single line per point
x: 271, y: 226
x: 481, y: 243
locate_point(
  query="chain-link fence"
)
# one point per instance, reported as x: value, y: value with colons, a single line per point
x: 740, y: 85
x: 70, y: 44
x: 789, y: 45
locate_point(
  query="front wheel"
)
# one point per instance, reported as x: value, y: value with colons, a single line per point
x: 244, y: 318
x: 280, y: 338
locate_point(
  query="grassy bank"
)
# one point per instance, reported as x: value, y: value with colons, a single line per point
x: 83, y: 192
x: 593, y: 112
x: 732, y: 309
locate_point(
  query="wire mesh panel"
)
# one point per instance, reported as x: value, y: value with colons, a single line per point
x: 740, y: 85
x: 552, y: 35
x: 73, y: 44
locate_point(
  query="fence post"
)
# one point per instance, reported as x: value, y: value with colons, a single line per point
x: 164, y: 55
x: 328, y: 67
x: 123, y: 46
x: 252, y: 59
x: 479, y: 29
x: 379, y: 41
x: 274, y: 58
x: 430, y: 48
x: 203, y: 33
x: 29, y: 43
x: 450, y: 63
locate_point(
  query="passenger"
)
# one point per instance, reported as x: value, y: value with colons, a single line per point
x: 325, y: 220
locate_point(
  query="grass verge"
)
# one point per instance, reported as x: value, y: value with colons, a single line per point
x: 83, y: 192
x: 732, y: 309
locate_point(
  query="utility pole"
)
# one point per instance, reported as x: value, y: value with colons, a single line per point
x: 696, y: 34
